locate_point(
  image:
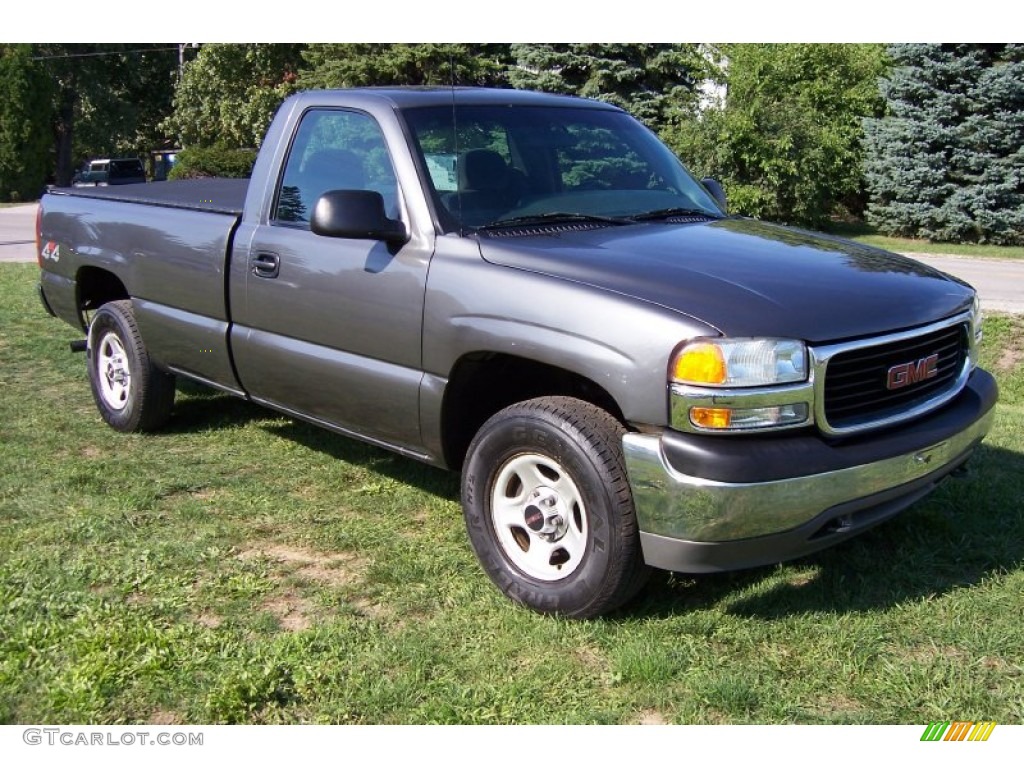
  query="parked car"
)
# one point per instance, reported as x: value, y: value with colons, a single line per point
x: 105, y: 172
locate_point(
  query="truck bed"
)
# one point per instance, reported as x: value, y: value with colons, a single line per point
x: 164, y: 245
x: 225, y: 196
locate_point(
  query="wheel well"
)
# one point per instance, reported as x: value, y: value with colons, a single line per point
x: 95, y: 288
x: 482, y: 383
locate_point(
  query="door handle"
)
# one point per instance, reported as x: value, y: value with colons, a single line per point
x: 266, y: 265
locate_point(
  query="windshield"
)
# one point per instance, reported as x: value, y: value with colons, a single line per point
x: 515, y: 164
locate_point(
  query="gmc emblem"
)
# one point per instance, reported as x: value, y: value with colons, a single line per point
x: 905, y: 374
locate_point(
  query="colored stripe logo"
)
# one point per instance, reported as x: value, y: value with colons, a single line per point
x: 958, y: 730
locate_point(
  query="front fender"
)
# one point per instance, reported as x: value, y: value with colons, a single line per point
x: 618, y: 342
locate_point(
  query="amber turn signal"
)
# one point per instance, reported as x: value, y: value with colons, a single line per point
x: 700, y: 364
x: 711, y: 418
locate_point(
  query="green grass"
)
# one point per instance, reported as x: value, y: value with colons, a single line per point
x: 863, y: 233
x: 243, y: 567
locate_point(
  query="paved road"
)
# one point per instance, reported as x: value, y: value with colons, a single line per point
x: 17, y: 233
x: 999, y: 281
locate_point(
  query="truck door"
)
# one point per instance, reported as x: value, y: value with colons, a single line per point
x: 329, y: 328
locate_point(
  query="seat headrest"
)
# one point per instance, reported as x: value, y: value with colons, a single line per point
x: 482, y: 169
x: 335, y: 168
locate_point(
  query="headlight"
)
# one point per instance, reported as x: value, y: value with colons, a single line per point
x: 740, y: 362
x: 976, y: 318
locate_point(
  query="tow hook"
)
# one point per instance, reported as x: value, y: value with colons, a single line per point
x: 79, y: 345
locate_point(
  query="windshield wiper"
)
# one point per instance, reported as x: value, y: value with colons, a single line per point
x: 556, y: 217
x: 668, y: 213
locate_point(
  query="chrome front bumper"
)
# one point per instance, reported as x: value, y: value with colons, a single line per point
x: 690, y: 523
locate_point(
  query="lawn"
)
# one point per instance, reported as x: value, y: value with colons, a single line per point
x: 862, y: 233
x: 243, y: 567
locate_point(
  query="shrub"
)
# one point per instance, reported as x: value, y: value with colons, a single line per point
x: 786, y: 143
x: 202, y: 162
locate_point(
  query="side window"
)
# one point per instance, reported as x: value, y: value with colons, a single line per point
x: 334, y: 149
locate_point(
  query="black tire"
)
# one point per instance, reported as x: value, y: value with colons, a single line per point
x: 131, y: 393
x: 548, y: 508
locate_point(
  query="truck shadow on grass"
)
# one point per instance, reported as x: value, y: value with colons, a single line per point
x: 438, y: 482
x: 971, y: 528
x: 202, y: 410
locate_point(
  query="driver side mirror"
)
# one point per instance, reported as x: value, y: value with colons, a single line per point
x: 714, y: 189
x: 358, y: 214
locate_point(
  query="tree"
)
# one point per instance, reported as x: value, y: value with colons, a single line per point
x: 24, y: 124
x: 106, y: 99
x: 146, y: 98
x: 229, y: 93
x: 656, y: 82
x: 787, y: 141
x: 348, y: 65
x: 946, y: 161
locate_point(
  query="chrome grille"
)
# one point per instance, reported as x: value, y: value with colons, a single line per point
x: 856, y: 391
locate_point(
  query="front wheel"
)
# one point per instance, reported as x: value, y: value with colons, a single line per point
x: 549, y: 510
x: 131, y: 393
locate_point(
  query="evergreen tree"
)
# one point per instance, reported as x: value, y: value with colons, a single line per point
x: 946, y: 162
x: 656, y: 82
x: 348, y: 65
x: 25, y: 137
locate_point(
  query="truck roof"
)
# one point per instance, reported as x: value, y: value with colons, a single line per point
x: 433, y: 96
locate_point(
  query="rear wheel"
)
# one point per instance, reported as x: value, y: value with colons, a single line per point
x: 548, y: 507
x: 131, y: 393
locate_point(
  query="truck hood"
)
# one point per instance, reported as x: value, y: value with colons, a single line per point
x: 745, y: 277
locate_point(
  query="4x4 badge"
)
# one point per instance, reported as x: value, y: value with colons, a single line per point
x: 51, y: 251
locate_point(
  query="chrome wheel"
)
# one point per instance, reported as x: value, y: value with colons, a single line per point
x: 539, y: 517
x: 115, y: 377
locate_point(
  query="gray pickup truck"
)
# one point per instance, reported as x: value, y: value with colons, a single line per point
x: 533, y: 289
